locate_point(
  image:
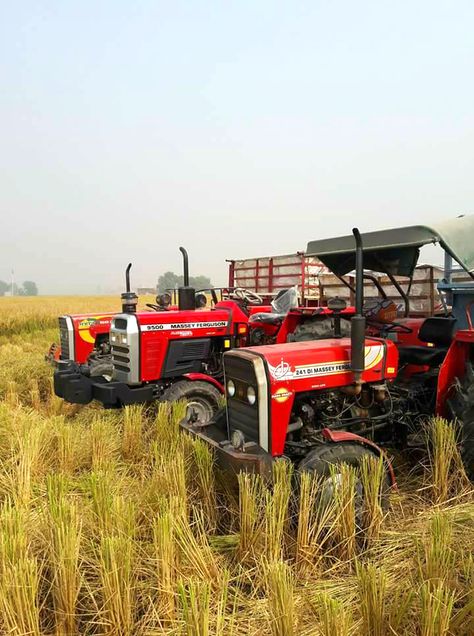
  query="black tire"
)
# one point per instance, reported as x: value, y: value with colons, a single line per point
x: 320, y: 460
x: 101, y: 365
x: 202, y: 397
x: 461, y: 407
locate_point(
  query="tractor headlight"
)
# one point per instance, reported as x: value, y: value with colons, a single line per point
x: 230, y: 388
x: 118, y: 338
x: 251, y: 395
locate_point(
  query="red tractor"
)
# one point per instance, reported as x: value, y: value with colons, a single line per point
x: 335, y: 399
x: 165, y: 354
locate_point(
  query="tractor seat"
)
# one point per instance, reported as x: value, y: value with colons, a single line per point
x: 436, y: 330
x: 267, y: 318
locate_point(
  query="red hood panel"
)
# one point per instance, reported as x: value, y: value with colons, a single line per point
x: 327, y: 362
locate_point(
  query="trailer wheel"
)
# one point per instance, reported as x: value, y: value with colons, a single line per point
x: 203, y: 399
x: 320, y: 460
x: 462, y: 410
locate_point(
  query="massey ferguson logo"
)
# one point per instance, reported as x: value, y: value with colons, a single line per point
x: 280, y: 371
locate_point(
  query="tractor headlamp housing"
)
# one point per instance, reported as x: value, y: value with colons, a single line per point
x: 251, y: 395
x: 118, y: 338
x: 230, y: 388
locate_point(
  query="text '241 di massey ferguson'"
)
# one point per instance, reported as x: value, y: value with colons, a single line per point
x: 167, y: 354
x: 336, y: 399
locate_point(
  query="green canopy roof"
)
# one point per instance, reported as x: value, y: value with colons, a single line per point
x: 396, y: 251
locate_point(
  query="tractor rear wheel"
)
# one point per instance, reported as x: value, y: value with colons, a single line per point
x: 320, y: 460
x: 202, y: 398
x: 462, y: 410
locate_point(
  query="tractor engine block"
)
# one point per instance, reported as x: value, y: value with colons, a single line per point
x: 366, y: 414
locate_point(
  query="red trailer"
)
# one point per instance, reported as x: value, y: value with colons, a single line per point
x: 267, y: 275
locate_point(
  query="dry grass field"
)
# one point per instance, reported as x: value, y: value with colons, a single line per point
x: 115, y: 523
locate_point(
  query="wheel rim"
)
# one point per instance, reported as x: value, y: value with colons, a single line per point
x: 200, y: 409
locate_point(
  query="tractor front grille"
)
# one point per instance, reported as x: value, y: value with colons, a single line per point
x: 66, y: 337
x: 121, y: 358
x: 241, y: 415
x: 125, y: 347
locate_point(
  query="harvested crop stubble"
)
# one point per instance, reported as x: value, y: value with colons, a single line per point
x: 114, y: 523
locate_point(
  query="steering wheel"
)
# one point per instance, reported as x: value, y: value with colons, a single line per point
x: 156, y: 307
x: 396, y: 326
x: 248, y: 296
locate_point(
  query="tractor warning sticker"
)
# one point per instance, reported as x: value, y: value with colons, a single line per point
x: 283, y: 371
x: 184, y: 325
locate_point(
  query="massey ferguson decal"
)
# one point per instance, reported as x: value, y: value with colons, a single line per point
x: 283, y: 371
x: 185, y: 325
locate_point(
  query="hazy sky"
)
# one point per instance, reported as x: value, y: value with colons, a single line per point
x: 128, y: 128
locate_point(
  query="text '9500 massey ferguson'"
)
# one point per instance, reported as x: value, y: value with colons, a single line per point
x: 338, y: 398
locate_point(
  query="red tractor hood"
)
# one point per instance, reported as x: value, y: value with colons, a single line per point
x: 326, y: 363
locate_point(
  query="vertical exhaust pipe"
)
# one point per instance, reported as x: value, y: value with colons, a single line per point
x: 129, y: 298
x: 186, y: 294
x: 185, y: 266
x: 358, y: 321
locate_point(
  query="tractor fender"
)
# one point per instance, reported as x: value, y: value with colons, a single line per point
x: 205, y: 378
x: 345, y: 436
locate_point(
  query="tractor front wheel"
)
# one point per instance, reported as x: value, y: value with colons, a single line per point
x: 202, y: 398
x: 462, y: 410
x: 321, y: 460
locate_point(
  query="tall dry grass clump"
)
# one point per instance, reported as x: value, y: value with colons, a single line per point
x: 446, y: 473
x: 280, y: 593
x: 63, y: 536
x: 117, y: 574
x: 165, y: 552
x: 251, y: 506
x: 132, y: 432
x: 436, y: 556
x: 436, y: 609
x: 334, y: 618
x: 373, y: 478
x: 276, y: 512
x: 20, y: 575
x: 203, y: 476
x: 372, y: 591
x: 315, y: 523
x: 344, y: 479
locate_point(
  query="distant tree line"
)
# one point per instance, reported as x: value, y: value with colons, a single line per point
x: 170, y: 280
x: 28, y: 288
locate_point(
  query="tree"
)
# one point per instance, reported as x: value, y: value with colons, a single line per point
x: 29, y: 288
x: 4, y: 287
x: 170, y: 280
x: 200, y: 282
